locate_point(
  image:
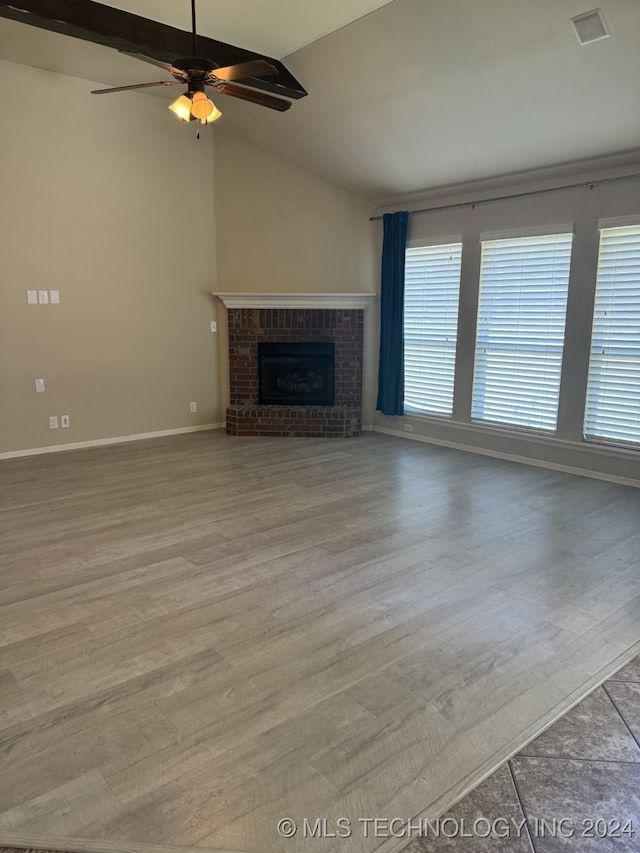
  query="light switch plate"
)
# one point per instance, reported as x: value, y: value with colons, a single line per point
x: 43, y: 297
x: 55, y: 297
x: 40, y: 386
x: 32, y: 297
x: 214, y: 326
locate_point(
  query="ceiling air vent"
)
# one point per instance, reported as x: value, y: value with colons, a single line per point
x: 590, y: 26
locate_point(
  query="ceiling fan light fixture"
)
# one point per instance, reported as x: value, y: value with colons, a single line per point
x: 201, y: 106
x: 195, y: 106
x: 182, y: 107
x: 213, y: 116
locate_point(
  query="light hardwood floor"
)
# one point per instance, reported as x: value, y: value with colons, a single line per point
x: 201, y: 635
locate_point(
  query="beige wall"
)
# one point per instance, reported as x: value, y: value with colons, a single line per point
x: 108, y: 200
x: 280, y: 229
x: 112, y: 202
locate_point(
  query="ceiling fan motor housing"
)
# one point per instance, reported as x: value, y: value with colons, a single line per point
x: 195, y: 84
x: 195, y: 64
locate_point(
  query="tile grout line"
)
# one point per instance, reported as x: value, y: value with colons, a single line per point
x: 580, y: 760
x: 590, y: 760
x: 619, y: 713
x: 623, y: 680
x: 522, y: 808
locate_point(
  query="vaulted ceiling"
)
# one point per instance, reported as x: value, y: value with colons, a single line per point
x: 405, y: 95
x: 274, y: 27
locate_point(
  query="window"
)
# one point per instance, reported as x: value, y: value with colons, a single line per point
x: 520, y: 334
x: 613, y: 390
x: 432, y: 286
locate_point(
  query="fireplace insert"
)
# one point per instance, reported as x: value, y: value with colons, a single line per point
x: 296, y: 374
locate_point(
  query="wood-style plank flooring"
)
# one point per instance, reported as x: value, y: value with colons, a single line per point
x: 201, y: 635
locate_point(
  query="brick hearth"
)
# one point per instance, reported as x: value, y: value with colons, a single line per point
x: 248, y: 326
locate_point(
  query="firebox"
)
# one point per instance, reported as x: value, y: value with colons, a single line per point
x: 296, y: 374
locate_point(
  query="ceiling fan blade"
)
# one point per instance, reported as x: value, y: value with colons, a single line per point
x: 255, y: 97
x: 156, y: 62
x: 257, y: 68
x: 137, y: 86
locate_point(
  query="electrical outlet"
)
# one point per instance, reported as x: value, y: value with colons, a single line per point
x: 193, y: 407
x: 408, y: 427
x: 40, y: 386
x: 53, y: 422
x: 214, y: 326
x: 65, y: 421
x: 32, y: 297
x: 55, y: 297
x: 43, y: 297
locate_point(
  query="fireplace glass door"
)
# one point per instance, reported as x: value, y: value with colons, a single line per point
x: 296, y: 374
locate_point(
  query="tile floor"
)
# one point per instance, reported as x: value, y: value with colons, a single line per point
x: 574, y: 788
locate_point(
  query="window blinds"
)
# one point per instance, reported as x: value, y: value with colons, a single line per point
x: 432, y: 287
x: 613, y: 391
x: 520, y: 333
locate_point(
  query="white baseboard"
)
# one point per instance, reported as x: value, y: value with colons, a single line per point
x: 512, y: 457
x: 99, y: 442
x: 367, y: 428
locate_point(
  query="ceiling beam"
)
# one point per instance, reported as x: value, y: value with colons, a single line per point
x: 100, y: 24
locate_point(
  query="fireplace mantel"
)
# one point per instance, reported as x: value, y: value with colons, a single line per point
x: 352, y: 301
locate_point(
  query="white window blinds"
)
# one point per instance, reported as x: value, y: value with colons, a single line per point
x: 520, y: 334
x: 432, y: 287
x: 613, y: 391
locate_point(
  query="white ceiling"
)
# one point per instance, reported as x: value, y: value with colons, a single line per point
x: 272, y: 27
x: 408, y: 96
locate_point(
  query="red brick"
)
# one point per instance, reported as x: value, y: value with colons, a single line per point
x: 248, y: 326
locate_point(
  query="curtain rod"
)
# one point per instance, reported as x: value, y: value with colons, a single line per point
x: 584, y: 185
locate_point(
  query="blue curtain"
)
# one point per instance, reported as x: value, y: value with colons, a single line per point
x: 391, y: 365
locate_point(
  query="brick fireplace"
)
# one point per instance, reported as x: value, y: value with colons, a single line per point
x: 336, y: 319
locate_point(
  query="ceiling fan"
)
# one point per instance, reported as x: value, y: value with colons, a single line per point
x: 198, y: 73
